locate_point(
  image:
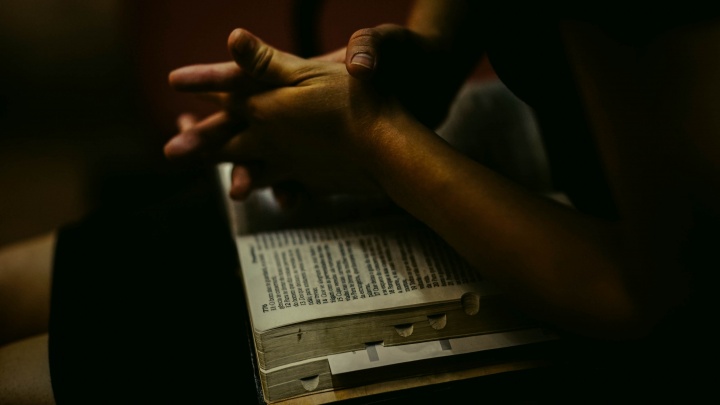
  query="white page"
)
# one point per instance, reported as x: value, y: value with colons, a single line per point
x: 302, y: 274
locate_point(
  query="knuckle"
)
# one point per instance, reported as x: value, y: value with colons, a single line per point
x: 376, y: 33
x: 371, y: 39
x: 257, y: 110
x: 363, y: 34
x: 252, y: 109
x: 262, y: 59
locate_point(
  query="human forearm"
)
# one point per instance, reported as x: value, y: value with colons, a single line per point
x: 563, y: 266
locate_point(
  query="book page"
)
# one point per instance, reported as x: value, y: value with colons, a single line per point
x: 301, y: 274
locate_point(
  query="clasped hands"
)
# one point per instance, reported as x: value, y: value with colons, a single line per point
x: 285, y: 119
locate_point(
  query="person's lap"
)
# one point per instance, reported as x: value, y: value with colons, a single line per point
x: 149, y: 304
x: 144, y: 304
x: 25, y: 272
x: 25, y: 372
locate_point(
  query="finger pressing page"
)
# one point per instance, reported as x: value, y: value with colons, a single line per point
x: 254, y: 175
x: 288, y: 193
x: 247, y: 177
x: 204, y: 137
x: 240, y: 182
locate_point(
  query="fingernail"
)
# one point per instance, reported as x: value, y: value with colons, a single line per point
x: 363, y: 59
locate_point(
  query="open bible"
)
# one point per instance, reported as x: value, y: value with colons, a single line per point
x: 355, y: 292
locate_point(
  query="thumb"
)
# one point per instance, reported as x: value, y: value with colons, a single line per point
x: 261, y: 61
x: 367, y: 46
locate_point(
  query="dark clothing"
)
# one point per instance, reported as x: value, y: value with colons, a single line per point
x: 528, y: 56
x: 147, y: 308
x: 572, y: 155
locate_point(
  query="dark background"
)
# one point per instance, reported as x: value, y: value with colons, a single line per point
x: 84, y: 102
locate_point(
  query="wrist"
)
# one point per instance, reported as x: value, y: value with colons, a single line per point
x: 402, y: 151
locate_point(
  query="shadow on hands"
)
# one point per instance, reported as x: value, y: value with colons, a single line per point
x: 414, y: 68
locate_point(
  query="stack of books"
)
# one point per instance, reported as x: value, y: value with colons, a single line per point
x: 345, y: 293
